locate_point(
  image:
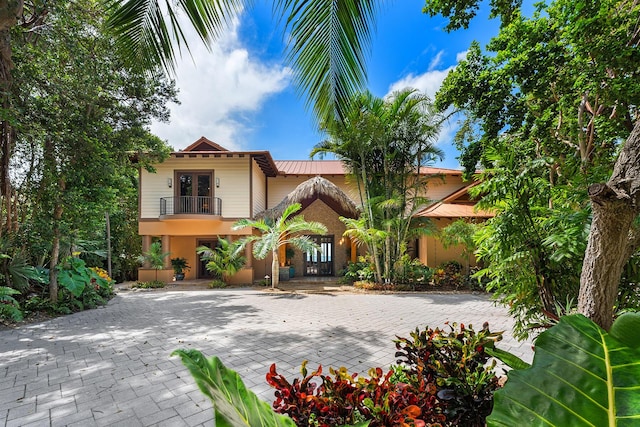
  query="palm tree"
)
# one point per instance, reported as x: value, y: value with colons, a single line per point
x: 327, y: 39
x: 154, y: 257
x: 224, y: 261
x: 385, y: 143
x: 275, y: 234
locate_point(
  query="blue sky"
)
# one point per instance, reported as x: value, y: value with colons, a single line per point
x: 240, y: 93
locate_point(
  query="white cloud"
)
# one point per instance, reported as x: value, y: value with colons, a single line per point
x: 216, y: 88
x: 427, y: 83
x: 436, y: 60
x: 430, y: 81
x: 460, y: 56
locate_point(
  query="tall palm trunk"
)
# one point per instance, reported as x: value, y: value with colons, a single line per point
x: 374, y: 248
x: 275, y: 269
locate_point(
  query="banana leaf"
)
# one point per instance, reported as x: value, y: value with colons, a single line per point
x: 581, y: 376
x: 234, y: 405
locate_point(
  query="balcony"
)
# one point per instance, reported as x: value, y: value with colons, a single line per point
x: 186, y: 206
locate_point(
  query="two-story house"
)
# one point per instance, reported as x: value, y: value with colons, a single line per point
x: 196, y: 195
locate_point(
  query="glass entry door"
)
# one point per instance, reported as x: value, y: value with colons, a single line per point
x: 320, y: 262
x: 202, y: 272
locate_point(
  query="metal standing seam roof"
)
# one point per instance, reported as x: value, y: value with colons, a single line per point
x: 336, y: 167
x: 456, y: 205
x: 310, y: 167
x: 454, y: 210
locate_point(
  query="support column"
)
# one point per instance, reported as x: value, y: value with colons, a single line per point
x: 146, y: 243
x: 166, y: 248
x: 354, y: 251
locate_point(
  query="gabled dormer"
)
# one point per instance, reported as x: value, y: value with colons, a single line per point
x: 204, y: 144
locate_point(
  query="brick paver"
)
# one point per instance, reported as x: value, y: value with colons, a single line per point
x: 111, y: 365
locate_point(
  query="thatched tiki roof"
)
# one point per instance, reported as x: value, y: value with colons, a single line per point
x: 310, y: 191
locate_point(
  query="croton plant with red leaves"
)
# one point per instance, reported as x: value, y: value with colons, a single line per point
x: 442, y: 380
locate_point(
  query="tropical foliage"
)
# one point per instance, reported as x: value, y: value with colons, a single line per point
x: 460, y: 233
x: 581, y: 375
x: 284, y: 230
x: 384, y: 144
x: 154, y: 257
x: 224, y: 260
x: 72, y: 117
x: 442, y: 380
x: 233, y: 403
x: 9, y: 307
x: 545, y: 111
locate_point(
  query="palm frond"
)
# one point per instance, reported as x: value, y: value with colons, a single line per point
x: 327, y: 47
x: 149, y: 31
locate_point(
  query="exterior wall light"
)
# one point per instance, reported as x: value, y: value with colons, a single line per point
x: 169, y: 182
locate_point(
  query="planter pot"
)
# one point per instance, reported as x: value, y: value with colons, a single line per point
x: 284, y: 274
x: 179, y: 276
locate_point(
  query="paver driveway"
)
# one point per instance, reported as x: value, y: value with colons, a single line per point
x: 111, y: 366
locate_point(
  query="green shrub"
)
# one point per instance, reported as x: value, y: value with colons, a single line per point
x: 217, y: 284
x: 9, y: 307
x: 449, y: 274
x: 361, y: 271
x: 457, y: 359
x: 372, y: 286
x: 412, y: 272
x: 152, y: 284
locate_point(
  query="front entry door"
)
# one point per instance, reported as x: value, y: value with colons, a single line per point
x: 320, y: 262
x: 202, y: 272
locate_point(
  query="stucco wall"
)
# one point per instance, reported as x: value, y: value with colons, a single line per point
x: 432, y: 253
x: 320, y: 212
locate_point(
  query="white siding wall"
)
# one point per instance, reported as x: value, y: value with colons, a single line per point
x: 258, y: 182
x: 234, y: 186
x: 153, y: 186
x: 233, y: 174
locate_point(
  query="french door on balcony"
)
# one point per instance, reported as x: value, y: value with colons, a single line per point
x: 193, y: 192
x: 320, y: 262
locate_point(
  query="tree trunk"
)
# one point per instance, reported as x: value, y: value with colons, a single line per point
x: 10, y: 10
x: 613, y: 237
x: 55, y: 252
x: 275, y: 269
x: 53, y: 272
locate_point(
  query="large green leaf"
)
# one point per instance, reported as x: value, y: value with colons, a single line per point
x: 581, y: 376
x: 233, y: 404
x: 73, y: 281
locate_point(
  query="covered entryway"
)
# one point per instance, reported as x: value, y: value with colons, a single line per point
x: 322, y: 201
x: 320, y: 262
x: 201, y: 266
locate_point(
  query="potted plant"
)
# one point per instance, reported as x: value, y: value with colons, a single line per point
x: 179, y: 265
